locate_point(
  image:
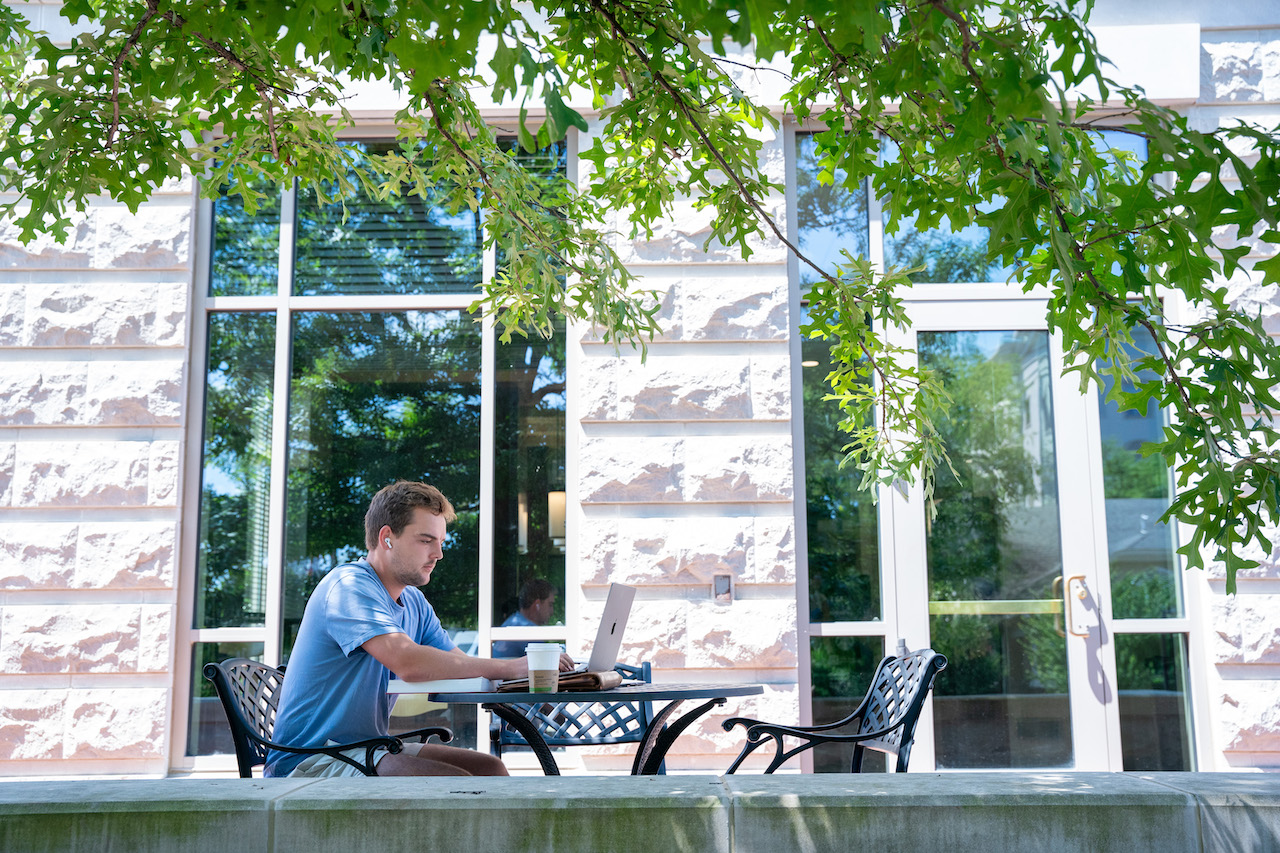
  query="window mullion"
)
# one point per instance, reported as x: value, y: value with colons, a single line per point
x: 280, y: 430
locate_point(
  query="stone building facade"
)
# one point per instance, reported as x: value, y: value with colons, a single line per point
x: 683, y: 467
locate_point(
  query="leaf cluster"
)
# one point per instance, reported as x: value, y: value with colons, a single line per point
x: 979, y: 101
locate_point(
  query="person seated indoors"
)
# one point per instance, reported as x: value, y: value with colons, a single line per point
x: 537, y: 604
x: 364, y: 621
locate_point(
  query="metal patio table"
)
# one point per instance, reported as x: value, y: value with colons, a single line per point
x: 657, y: 740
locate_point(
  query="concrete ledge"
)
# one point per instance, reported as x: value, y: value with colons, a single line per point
x: 1040, y: 812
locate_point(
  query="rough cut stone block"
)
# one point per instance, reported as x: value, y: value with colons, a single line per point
x: 12, y: 308
x: 8, y: 452
x: 1240, y: 66
x: 1255, y: 299
x: 44, y: 251
x: 640, y: 551
x: 747, y: 303
x: 107, y: 723
x: 70, y: 638
x: 598, y: 547
x: 31, y: 724
x: 682, y: 238
x: 156, y: 237
x: 696, y: 468
x: 37, y: 555
x: 1249, y: 716
x: 162, y: 473
x: 715, y: 637
x: 156, y: 632
x: 596, y: 388
x: 1268, y: 560
x: 731, y: 309
x: 134, y: 555
x: 774, y: 554
x: 738, y: 468
x: 771, y: 387
x: 631, y: 470
x: 48, y: 394
x: 1246, y: 629
x: 59, y: 315
x: 685, y: 389
x: 87, y: 473
x: 134, y: 393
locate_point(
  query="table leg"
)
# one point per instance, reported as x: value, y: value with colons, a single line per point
x: 659, y: 737
x: 529, y: 732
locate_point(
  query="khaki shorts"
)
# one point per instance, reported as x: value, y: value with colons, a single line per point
x: 324, y: 766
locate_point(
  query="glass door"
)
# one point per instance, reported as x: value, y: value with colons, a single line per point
x: 998, y: 566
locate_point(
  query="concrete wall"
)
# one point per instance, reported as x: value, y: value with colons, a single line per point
x: 1160, y: 813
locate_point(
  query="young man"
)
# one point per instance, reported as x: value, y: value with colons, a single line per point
x: 366, y: 620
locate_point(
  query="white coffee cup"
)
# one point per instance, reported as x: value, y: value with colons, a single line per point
x: 544, y: 666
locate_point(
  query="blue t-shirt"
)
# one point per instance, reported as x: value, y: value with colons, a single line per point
x: 333, y: 689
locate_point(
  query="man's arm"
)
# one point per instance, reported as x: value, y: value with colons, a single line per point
x: 412, y: 662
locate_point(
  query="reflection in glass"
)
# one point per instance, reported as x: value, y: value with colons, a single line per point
x: 844, y: 554
x: 1142, y: 549
x: 1155, y: 714
x: 946, y: 255
x: 844, y: 548
x: 529, y: 477
x: 245, y: 247
x: 404, y: 244
x: 994, y: 552
x: 840, y: 671
x: 376, y: 397
x: 231, y: 557
x: 208, y: 732
x: 831, y: 217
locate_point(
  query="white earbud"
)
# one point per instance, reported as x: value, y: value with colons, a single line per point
x: 388, y: 541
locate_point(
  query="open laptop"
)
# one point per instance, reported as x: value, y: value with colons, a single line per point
x: 604, y: 651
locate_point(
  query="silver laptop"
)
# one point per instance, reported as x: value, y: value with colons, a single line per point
x: 604, y: 651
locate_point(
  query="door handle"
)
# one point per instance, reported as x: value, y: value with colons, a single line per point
x: 1057, y: 611
x: 1076, y: 590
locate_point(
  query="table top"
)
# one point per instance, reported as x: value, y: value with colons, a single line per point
x: 626, y: 692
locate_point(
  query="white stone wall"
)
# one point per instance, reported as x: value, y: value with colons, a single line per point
x: 1240, y: 80
x: 684, y: 471
x: 93, y: 363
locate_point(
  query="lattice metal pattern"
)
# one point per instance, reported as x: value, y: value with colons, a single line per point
x: 587, y: 723
x: 256, y: 689
x: 890, y: 698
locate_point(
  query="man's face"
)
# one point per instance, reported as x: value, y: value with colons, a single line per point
x: 418, y: 548
x: 543, y: 608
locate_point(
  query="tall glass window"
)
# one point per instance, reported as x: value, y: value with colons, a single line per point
x: 1146, y: 584
x: 384, y: 378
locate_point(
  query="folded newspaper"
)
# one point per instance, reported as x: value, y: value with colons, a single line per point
x: 569, y: 681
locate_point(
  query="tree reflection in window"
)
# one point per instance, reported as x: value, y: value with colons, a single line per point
x: 376, y: 397
x: 231, y: 556
x: 408, y: 243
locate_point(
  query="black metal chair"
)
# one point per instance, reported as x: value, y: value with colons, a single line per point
x: 885, y: 720
x: 582, y: 723
x: 250, y: 692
